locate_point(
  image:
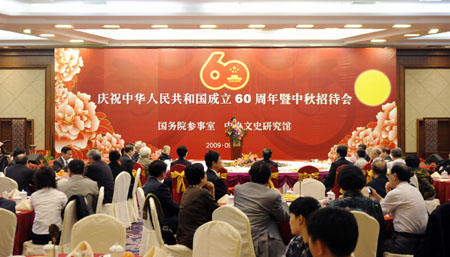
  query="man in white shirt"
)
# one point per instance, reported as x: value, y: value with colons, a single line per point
x: 397, y: 158
x: 408, y: 209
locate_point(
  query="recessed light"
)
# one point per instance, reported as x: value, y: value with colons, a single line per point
x: 63, y: 26
x: 27, y: 31
x: 76, y: 41
x: 378, y: 40
x: 160, y: 26
x: 279, y: 45
x: 353, y: 26
x: 411, y: 35
x: 256, y: 26
x: 47, y: 35
x: 433, y: 31
x: 208, y: 26
x: 305, y: 26
x: 401, y: 26
x: 111, y: 26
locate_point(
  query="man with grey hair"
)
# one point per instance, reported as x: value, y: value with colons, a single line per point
x: 144, y: 157
x: 100, y: 172
x: 396, y: 158
x: 165, y: 155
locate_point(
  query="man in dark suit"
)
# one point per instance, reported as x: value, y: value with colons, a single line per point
x: 444, y: 165
x: 328, y: 181
x: 182, y: 153
x: 165, y: 155
x: 63, y: 160
x: 100, y: 172
x: 7, y: 204
x: 379, y: 168
x: 267, y: 154
x: 16, y: 152
x: 214, y: 164
x: 386, y: 154
x: 155, y: 185
x: 22, y: 174
x: 128, y: 152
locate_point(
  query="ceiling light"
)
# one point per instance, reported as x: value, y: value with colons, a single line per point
x: 279, y: 45
x: 208, y: 26
x: 47, y: 35
x: 433, y: 31
x: 63, y: 26
x: 27, y: 31
x: 411, y: 35
x: 111, y: 26
x: 256, y: 26
x: 305, y: 26
x: 76, y: 41
x: 160, y: 26
x: 438, y: 36
x: 8, y: 35
x: 401, y: 26
x: 378, y: 40
x: 353, y: 26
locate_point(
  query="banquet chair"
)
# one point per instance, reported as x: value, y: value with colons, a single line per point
x: 432, y: 205
x: 413, y: 181
x: 143, y: 176
x: 70, y: 218
x: 156, y: 252
x: 336, y: 188
x: 223, y: 174
x: 151, y: 233
x: 241, y: 223
x: 119, y: 205
x: 101, y: 196
x: 313, y: 188
x: 100, y: 231
x: 2, y: 175
x: 179, y: 182
x: 368, y: 230
x: 8, y: 222
x: 7, y: 184
x: 274, y: 178
x: 308, y: 171
x: 133, y: 211
x: 141, y: 198
x: 216, y: 237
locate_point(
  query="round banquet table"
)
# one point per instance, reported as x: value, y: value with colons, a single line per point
x: 24, y: 225
x: 442, y: 187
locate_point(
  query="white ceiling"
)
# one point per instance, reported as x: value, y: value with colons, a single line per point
x: 232, y: 19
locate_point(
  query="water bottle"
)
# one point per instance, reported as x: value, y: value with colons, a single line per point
x: 444, y: 174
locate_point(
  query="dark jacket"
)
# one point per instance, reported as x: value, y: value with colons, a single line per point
x: 180, y: 161
x: 81, y: 208
x: 58, y: 165
x: 22, y: 174
x: 124, y: 158
x: 443, y: 165
x: 116, y: 168
x: 219, y: 185
x: 271, y: 163
x: 102, y: 174
x: 328, y: 181
x: 379, y: 184
x: 164, y: 157
x: 7, y: 204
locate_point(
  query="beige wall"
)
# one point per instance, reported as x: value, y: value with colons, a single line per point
x: 427, y: 94
x: 22, y: 94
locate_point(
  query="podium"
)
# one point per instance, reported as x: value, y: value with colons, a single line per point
x: 236, y: 148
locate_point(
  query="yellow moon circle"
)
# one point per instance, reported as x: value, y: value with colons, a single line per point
x: 372, y: 87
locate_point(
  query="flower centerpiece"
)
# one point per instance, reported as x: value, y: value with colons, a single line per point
x: 245, y: 161
x: 236, y: 132
x: 430, y: 167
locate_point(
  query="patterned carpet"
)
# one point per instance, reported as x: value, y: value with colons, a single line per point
x: 134, y: 237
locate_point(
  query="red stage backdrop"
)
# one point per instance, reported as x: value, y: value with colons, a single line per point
x: 298, y: 102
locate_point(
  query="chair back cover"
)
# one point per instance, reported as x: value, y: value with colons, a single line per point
x: 368, y: 230
x: 143, y: 176
x: 141, y: 198
x: 7, y: 184
x: 313, y: 188
x: 70, y: 218
x: 179, y: 182
x: 133, y: 211
x: 274, y: 178
x: 413, y: 181
x: 156, y: 252
x: 308, y: 171
x: 241, y: 223
x: 119, y: 208
x: 151, y: 233
x: 100, y: 231
x: 223, y: 174
x: 101, y: 195
x: 8, y: 222
x: 216, y: 237
x: 432, y: 205
x: 336, y: 188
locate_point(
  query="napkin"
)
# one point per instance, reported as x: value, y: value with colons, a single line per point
x: 435, y: 175
x: 24, y: 205
x: 83, y: 249
x: 156, y: 252
x: 223, y: 199
x: 14, y: 193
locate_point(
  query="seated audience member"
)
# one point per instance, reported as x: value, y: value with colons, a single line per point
x: 128, y: 152
x: 128, y: 167
x: 100, y: 172
x: 374, y: 154
x: 144, y: 158
x: 332, y: 232
x: 114, y: 163
x: 386, y: 154
x: 21, y: 173
x: 47, y: 203
x: 426, y: 187
x: 264, y: 207
x: 408, y: 210
x: 396, y: 158
x: 4, y: 157
x: 351, y: 180
x: 361, y: 161
x: 444, y: 165
x: 267, y: 154
x: 197, y: 204
x: 154, y: 185
x: 7, y: 204
x: 15, y: 153
x: 214, y: 164
x: 137, y: 151
x: 165, y: 155
x: 328, y: 181
x: 300, y: 210
x: 380, y: 179
x: 182, y: 153
x: 79, y: 185
x: 63, y: 160
x: 363, y: 146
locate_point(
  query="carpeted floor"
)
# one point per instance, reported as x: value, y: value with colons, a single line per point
x: 134, y: 238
